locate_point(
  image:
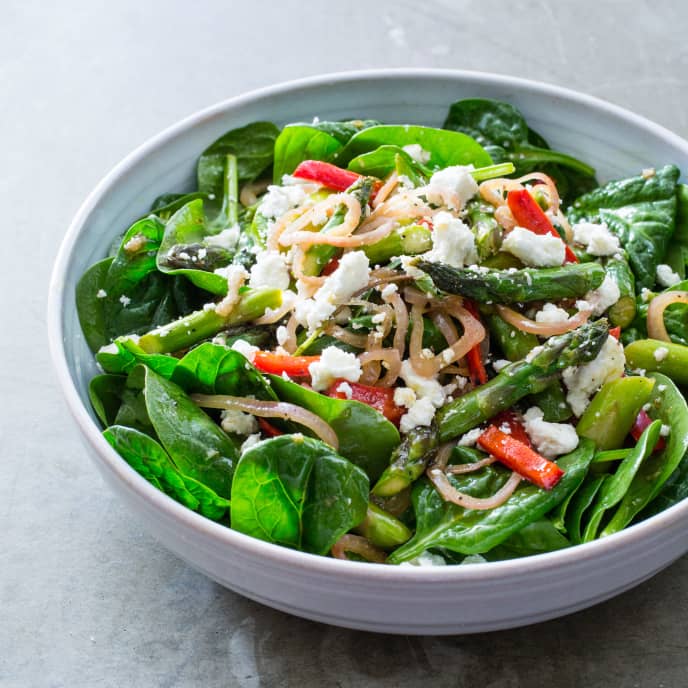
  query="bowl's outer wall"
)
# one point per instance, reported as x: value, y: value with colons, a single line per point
x: 381, y: 599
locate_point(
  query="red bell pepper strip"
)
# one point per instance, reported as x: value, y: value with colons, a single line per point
x: 529, y: 214
x: 325, y: 173
x: 514, y: 424
x: 615, y: 332
x: 474, y: 358
x: 380, y: 398
x: 294, y: 366
x: 641, y: 422
x: 520, y: 458
x: 268, y: 428
x: 330, y: 267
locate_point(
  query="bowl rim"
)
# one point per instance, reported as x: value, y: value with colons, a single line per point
x: 276, y: 554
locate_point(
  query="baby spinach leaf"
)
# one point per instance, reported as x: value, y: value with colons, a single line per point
x: 503, y: 131
x: 535, y: 538
x: 90, y: 305
x: 446, y: 148
x: 149, y: 459
x: 297, y: 143
x: 132, y: 411
x: 365, y: 436
x: 641, y: 212
x: 343, y: 130
x: 468, y: 531
x: 253, y: 146
x: 583, y: 498
x: 197, y: 445
x: 105, y: 393
x: 668, y: 405
x: 298, y: 492
x: 120, y: 357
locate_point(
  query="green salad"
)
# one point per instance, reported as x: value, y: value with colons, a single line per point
x: 401, y: 344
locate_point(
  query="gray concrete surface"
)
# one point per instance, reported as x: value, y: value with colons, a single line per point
x: 87, y: 598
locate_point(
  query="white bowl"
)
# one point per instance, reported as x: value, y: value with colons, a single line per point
x: 441, y: 600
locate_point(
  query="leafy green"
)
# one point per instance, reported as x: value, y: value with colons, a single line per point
x: 297, y: 143
x: 383, y: 160
x: 198, y: 447
x: 535, y: 538
x: 445, y: 148
x: 105, y: 393
x: 583, y: 497
x: 149, y: 459
x: 253, y: 146
x: 90, y: 305
x: 297, y: 491
x: 641, y: 211
x: 342, y: 130
x: 470, y: 531
x: 123, y: 355
x: 365, y: 436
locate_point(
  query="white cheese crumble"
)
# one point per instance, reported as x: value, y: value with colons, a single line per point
x: 660, y: 353
x: 345, y: 389
x: 124, y: 300
x: 389, y: 290
x: 453, y: 242
x: 238, y: 422
x: 422, y: 386
x: 583, y: 381
x: 426, y: 559
x: 247, y: 350
x: 500, y: 364
x: 536, y: 250
x: 101, y: 294
x: 227, y: 238
x: 666, y: 276
x: 600, y: 299
x: 334, y: 364
x: 281, y: 334
x: 270, y: 270
x: 421, y: 413
x: 470, y: 438
x: 451, y: 187
x: 351, y: 275
x: 550, y: 313
x: 249, y: 442
x: 550, y: 439
x: 417, y: 152
x: 665, y: 431
x: 280, y: 199
x: 404, y: 396
x: 596, y: 238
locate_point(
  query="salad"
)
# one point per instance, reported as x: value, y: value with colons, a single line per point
x: 399, y: 343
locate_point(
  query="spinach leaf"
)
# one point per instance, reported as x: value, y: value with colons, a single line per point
x: 253, y: 146
x: 469, y: 531
x: 342, y: 130
x: 503, y: 131
x: 580, y: 503
x: 105, y: 393
x: 365, y: 436
x: 446, y: 148
x: 132, y: 411
x: 197, y: 445
x: 641, y: 212
x: 668, y: 405
x: 535, y: 538
x: 381, y: 161
x: 122, y: 356
x: 296, y: 491
x: 149, y: 459
x: 297, y: 143
x: 90, y: 306
x: 168, y: 204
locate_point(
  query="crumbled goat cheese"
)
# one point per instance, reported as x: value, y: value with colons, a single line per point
x: 404, y: 396
x: 247, y: 350
x: 596, y: 238
x: 451, y: 187
x: 648, y: 173
x: 470, y: 438
x: 101, y: 294
x: 378, y: 318
x: 666, y: 276
x: 227, y: 238
x: 109, y: 349
x: 660, y: 353
x: 389, y: 290
x: 453, y: 242
x: 136, y: 243
x: 550, y: 313
x: 426, y: 559
x: 250, y: 441
x: 500, y: 363
x: 334, y: 364
x: 351, y: 275
x: 550, y: 439
x: 665, y: 430
x: 417, y: 152
x: 602, y: 298
x: 124, y: 300
x: 422, y: 386
x: 409, y: 267
x: 270, y: 270
x: 646, y: 294
x: 583, y: 381
x: 280, y: 199
x: 235, y: 275
x: 421, y: 413
x: 281, y: 334
x: 537, y: 250
x: 345, y: 389
x: 238, y: 422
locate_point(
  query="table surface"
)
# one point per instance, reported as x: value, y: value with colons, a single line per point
x: 87, y: 598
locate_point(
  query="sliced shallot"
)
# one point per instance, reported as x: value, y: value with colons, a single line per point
x: 543, y: 329
x: 450, y: 494
x: 356, y: 544
x: 656, y: 329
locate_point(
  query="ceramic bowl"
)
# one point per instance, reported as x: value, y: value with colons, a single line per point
x: 435, y: 600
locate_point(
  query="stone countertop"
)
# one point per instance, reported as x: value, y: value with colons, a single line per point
x: 87, y: 598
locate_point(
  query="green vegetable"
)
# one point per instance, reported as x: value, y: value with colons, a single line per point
x: 403, y: 240
x: 668, y: 405
x: 641, y: 212
x: 613, y: 410
x: 90, y: 306
x: 517, y: 380
x: 341, y: 130
x: 365, y: 436
x: 535, y: 538
x: 123, y: 355
x: 488, y: 233
x: 469, y: 531
x: 149, y: 459
x: 198, y: 447
x: 296, y: 491
x: 297, y: 143
x: 105, y: 393
x: 583, y: 497
x: 616, y: 486
x: 382, y: 529
x: 622, y: 313
x: 383, y: 160
x: 647, y: 354
x: 445, y: 148
x: 513, y: 286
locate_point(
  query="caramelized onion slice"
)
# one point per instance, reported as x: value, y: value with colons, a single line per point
x: 543, y: 329
x: 450, y: 494
x: 356, y: 544
x: 656, y: 329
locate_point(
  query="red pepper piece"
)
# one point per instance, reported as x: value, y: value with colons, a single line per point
x: 294, y: 366
x: 514, y: 424
x: 474, y: 357
x: 529, y: 214
x: 520, y: 458
x: 327, y: 174
x: 380, y: 398
x: 330, y: 267
x: 641, y: 422
x: 268, y: 428
x: 615, y: 332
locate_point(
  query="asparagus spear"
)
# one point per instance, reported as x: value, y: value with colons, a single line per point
x: 622, y: 312
x: 510, y: 286
x: 408, y: 240
x: 528, y: 376
x: 382, y: 529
